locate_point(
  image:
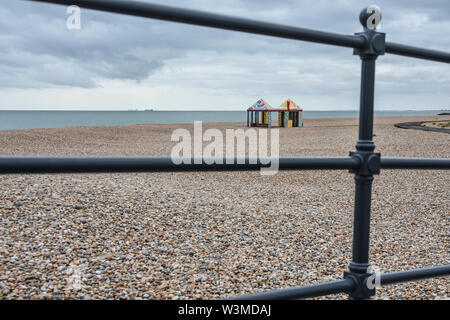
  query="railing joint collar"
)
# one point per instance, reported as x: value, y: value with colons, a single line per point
x: 361, y: 289
x: 370, y: 163
x: 375, y: 44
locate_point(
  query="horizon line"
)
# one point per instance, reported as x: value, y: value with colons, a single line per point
x: 201, y: 110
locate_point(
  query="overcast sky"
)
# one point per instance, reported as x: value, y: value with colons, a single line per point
x: 117, y: 62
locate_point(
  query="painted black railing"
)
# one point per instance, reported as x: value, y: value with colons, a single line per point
x: 364, y: 163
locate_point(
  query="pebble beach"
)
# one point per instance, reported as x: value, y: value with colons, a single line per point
x: 209, y: 235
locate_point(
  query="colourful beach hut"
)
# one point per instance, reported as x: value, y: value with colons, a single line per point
x: 259, y: 114
x: 290, y: 114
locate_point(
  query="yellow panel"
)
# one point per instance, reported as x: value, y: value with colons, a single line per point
x: 289, y: 123
x: 264, y: 117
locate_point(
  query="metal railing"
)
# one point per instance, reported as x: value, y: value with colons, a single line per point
x: 363, y: 163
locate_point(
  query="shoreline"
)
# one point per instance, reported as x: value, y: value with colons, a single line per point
x: 235, y: 123
x: 17, y: 120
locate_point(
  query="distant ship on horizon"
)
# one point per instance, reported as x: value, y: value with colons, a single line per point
x: 141, y: 109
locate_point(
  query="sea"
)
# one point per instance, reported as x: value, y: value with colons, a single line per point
x: 10, y: 119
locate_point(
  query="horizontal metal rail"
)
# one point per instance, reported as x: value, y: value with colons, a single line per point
x: 206, y: 19
x: 415, y: 52
x: 38, y: 164
x: 201, y: 18
x: 417, y: 274
x: 414, y: 163
x: 345, y: 285
x: 55, y: 164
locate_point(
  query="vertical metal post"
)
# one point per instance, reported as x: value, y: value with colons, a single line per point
x: 365, y: 142
x: 248, y: 119
x: 370, y: 161
x: 363, y: 183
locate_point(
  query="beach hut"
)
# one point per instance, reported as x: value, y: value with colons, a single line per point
x: 290, y: 114
x: 259, y: 114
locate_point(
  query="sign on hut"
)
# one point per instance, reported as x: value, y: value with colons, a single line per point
x: 289, y: 113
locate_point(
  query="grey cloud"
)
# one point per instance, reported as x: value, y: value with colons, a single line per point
x: 37, y: 51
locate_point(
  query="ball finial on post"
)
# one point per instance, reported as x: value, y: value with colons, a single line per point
x: 370, y: 17
x: 374, y: 41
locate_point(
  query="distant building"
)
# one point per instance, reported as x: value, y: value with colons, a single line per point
x: 260, y: 114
